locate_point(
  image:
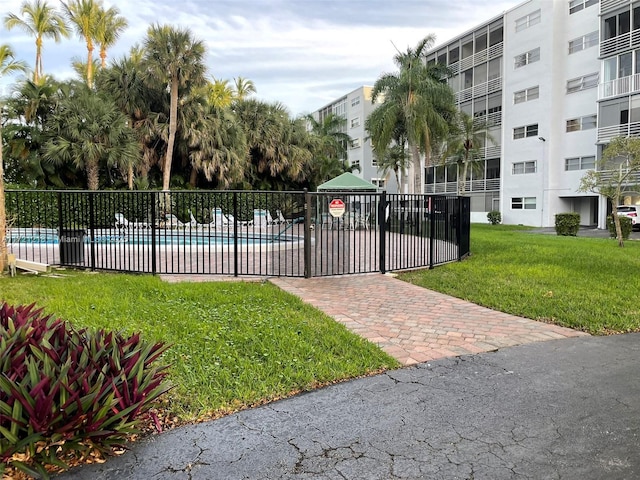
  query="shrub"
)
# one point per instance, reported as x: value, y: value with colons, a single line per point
x: 625, y: 225
x: 494, y: 217
x: 567, y: 224
x: 69, y: 392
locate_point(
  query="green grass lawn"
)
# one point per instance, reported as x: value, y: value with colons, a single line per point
x: 589, y: 284
x: 232, y: 343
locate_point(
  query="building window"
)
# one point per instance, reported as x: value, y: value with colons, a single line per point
x: 527, y: 58
x: 355, y: 122
x: 582, y: 83
x: 584, y: 42
x: 527, y: 94
x: 527, y: 20
x: 355, y: 101
x: 520, y: 168
x: 577, y: 5
x: 523, y: 132
x: 523, y: 203
x: 378, y: 182
x: 355, y: 143
x: 583, y: 123
x: 580, y: 163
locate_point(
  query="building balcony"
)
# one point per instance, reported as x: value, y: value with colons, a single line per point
x: 619, y: 86
x: 605, y: 134
x: 481, y: 185
x: 494, y: 85
x: 611, y: 5
x: 485, y: 55
x: 619, y: 44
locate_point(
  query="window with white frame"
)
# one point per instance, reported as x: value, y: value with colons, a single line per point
x: 526, y: 131
x: 355, y: 143
x: 521, y: 168
x: 378, y: 182
x: 576, y: 5
x: 528, y: 20
x: 580, y: 163
x: 582, y: 83
x: 584, y: 42
x: 526, y: 95
x: 587, y: 122
x: 527, y: 58
x: 355, y: 101
x: 523, y: 203
x: 355, y: 122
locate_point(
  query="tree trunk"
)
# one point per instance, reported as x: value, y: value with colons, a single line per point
x: 465, y: 167
x: 173, y: 114
x: 37, y: 71
x: 93, y: 174
x: 418, y: 187
x: 90, y: 63
x: 193, y: 177
x: 130, y: 176
x: 616, y: 221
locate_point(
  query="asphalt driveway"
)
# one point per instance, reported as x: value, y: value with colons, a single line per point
x: 560, y: 409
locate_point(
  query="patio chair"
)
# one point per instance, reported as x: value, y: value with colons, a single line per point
x: 362, y: 221
x: 260, y: 218
x: 174, y: 222
x: 326, y: 221
x: 281, y: 219
x: 122, y: 223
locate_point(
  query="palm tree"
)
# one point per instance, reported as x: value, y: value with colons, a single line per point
x: 41, y: 21
x: 394, y: 159
x: 417, y: 99
x: 219, y: 93
x: 331, y: 140
x: 8, y: 65
x: 110, y: 26
x: 175, y: 59
x: 90, y: 133
x: 85, y: 15
x: 243, y: 88
x: 464, y: 143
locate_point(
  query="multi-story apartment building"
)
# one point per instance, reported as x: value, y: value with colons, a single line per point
x: 531, y: 74
x: 554, y: 81
x: 355, y: 107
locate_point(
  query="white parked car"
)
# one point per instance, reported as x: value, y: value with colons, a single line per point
x: 631, y: 211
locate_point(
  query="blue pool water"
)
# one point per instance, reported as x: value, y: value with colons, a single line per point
x: 144, y: 238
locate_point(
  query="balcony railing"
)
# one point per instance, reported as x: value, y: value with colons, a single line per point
x: 609, y: 5
x: 620, y: 43
x: 482, y: 185
x: 605, y: 134
x: 485, y: 88
x: 619, y: 86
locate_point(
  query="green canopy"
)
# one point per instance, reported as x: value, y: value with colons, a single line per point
x: 347, y: 182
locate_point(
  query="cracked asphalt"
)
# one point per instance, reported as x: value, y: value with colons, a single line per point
x: 560, y: 409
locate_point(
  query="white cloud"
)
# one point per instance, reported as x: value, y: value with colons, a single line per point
x: 302, y: 53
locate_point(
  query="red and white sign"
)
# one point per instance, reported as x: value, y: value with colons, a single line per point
x: 336, y: 208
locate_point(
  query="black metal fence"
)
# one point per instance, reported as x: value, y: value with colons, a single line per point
x: 237, y: 232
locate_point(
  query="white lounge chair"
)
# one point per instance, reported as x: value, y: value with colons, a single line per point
x: 174, y: 222
x: 122, y: 222
x: 261, y: 218
x: 281, y: 219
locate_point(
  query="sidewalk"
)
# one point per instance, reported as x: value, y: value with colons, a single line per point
x: 413, y: 324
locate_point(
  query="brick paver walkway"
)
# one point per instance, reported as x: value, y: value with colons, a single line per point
x: 414, y: 324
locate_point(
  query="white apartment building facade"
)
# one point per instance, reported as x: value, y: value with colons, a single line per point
x: 554, y: 80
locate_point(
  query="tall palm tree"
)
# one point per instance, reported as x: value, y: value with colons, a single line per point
x: 85, y: 16
x: 464, y: 143
x: 394, y: 159
x: 8, y: 65
x: 40, y: 21
x: 175, y: 59
x: 418, y: 98
x: 243, y: 88
x: 90, y: 133
x: 110, y: 26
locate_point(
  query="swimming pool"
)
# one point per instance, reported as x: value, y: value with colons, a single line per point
x: 146, y: 237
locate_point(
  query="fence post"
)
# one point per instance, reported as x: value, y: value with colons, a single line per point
x: 307, y: 234
x: 92, y: 225
x: 432, y: 228
x: 382, y: 221
x: 153, y: 233
x: 235, y: 234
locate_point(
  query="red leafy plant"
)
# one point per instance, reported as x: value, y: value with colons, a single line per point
x: 65, y: 391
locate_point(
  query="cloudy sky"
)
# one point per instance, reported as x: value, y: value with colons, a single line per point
x: 302, y: 53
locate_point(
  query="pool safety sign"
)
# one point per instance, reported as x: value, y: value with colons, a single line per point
x: 336, y: 208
